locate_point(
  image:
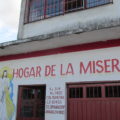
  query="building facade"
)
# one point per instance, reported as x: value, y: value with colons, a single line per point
x: 65, y: 64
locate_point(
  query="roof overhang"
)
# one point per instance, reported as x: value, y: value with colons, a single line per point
x: 56, y: 40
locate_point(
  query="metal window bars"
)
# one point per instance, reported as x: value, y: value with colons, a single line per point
x: 41, y: 9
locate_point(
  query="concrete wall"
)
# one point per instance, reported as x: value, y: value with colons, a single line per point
x: 65, y: 70
x: 102, y: 15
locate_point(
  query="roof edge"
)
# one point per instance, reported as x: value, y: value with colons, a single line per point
x: 81, y: 29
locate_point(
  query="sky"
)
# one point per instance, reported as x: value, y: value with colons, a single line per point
x: 9, y: 19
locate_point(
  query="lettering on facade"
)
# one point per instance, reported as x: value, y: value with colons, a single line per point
x: 69, y: 69
x: 55, y: 101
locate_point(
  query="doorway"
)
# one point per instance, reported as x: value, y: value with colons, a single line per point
x: 31, y: 103
x: 93, y: 101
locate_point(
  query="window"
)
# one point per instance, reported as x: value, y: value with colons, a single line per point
x: 93, y: 3
x: 94, y: 92
x: 36, y: 11
x: 54, y: 7
x: 76, y: 93
x: 41, y: 9
x: 112, y: 91
x: 71, y: 5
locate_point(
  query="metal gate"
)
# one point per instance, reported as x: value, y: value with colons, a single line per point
x: 31, y: 103
x: 94, y: 101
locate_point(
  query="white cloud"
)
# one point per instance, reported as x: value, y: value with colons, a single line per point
x: 9, y: 18
x: 9, y: 12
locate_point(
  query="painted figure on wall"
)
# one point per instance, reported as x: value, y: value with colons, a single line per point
x: 6, y: 93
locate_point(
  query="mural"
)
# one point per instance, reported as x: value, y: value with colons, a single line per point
x: 6, y: 94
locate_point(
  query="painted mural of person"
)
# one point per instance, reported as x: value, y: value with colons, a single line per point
x: 6, y: 105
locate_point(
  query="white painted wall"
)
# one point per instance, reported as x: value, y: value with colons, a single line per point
x: 69, y: 21
x: 61, y: 81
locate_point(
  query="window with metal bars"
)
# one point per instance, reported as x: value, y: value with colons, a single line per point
x: 41, y: 9
x: 36, y: 10
x: 94, y: 3
x: 71, y: 5
x: 112, y: 91
x: 93, y: 92
x: 76, y: 93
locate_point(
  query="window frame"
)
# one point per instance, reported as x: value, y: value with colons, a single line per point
x: 45, y: 16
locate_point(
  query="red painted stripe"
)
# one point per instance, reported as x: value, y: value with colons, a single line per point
x: 74, y: 48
